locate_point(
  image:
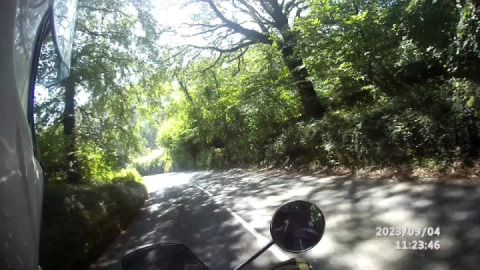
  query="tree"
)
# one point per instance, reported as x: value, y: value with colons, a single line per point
x: 399, y: 78
x: 74, y: 175
x: 272, y: 23
x: 114, y: 46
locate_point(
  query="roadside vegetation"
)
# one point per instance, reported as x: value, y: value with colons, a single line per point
x: 86, y: 137
x: 315, y: 84
x: 397, y: 85
x: 80, y: 221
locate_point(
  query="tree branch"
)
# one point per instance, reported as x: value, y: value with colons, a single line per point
x: 217, y: 60
x: 104, y: 10
x: 229, y: 50
x: 256, y: 16
x: 248, y: 33
x: 208, y: 31
x: 105, y: 34
x: 281, y: 21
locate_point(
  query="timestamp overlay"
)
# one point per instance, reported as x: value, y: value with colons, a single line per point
x: 412, y: 238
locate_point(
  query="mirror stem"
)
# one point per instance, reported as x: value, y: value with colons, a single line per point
x: 254, y: 256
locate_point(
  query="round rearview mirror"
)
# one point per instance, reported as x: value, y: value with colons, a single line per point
x: 297, y: 226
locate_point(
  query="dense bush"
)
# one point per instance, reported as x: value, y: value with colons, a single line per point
x: 158, y: 163
x: 80, y: 221
x: 126, y: 176
x: 95, y: 163
x: 52, y: 154
x: 417, y: 130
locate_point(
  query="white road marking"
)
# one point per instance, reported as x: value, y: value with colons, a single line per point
x: 277, y: 252
x: 206, y: 191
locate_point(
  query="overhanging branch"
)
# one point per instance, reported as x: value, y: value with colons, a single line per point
x: 247, y: 33
x: 229, y: 50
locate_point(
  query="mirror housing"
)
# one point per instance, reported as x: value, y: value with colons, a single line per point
x: 297, y: 226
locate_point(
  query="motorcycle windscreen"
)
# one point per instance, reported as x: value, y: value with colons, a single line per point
x: 162, y: 257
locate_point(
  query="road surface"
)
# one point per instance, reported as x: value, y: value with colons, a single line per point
x: 224, y: 217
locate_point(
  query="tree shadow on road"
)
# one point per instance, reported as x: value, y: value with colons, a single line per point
x: 355, y: 208
x: 185, y: 214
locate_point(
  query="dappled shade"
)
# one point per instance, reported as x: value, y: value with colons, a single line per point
x: 353, y: 209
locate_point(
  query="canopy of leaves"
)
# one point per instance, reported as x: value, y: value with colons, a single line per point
x: 399, y: 79
x: 114, y: 50
x: 398, y: 82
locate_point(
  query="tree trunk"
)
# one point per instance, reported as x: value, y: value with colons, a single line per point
x: 312, y: 107
x: 473, y: 136
x: 280, y: 13
x: 72, y: 164
x: 184, y: 89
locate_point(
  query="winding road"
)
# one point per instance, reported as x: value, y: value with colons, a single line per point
x: 224, y: 218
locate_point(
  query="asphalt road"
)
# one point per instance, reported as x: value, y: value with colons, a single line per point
x: 224, y: 217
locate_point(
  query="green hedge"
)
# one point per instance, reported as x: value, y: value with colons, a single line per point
x: 155, y: 165
x: 126, y: 176
x: 79, y: 222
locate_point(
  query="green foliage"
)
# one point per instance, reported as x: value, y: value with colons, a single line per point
x: 96, y: 165
x: 114, y: 49
x: 400, y: 80
x: 50, y: 143
x: 157, y: 162
x: 127, y: 176
x: 80, y: 221
x: 154, y: 166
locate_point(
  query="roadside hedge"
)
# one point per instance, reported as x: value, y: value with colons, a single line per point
x: 80, y: 221
x: 156, y: 165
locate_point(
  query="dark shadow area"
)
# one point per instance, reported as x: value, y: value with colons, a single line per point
x: 355, y: 208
